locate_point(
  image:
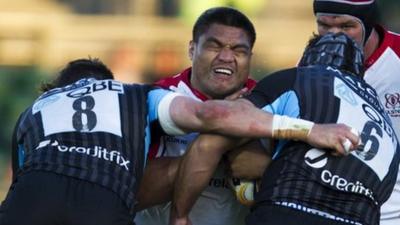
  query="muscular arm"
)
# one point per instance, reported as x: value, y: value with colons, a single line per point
x: 196, y: 168
x: 156, y: 186
x: 241, y: 118
x: 248, y: 161
x: 201, y: 159
x: 236, y: 118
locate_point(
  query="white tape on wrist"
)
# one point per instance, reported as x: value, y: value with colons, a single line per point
x: 284, y: 127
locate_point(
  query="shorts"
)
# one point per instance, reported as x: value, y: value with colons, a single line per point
x: 46, y: 198
x: 267, y: 214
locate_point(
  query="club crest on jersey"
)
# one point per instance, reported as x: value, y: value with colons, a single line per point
x: 392, y: 104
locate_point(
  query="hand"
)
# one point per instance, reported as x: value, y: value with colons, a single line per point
x: 334, y: 136
x: 248, y: 161
x: 237, y: 94
x: 180, y: 221
x: 175, y: 220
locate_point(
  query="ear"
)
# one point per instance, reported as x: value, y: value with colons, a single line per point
x: 191, y: 49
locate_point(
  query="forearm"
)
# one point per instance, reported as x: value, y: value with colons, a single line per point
x: 156, y: 186
x: 235, y: 118
x: 248, y: 161
x: 196, y: 169
x: 240, y: 118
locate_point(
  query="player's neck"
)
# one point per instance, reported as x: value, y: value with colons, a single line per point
x: 195, y: 85
x: 372, y: 44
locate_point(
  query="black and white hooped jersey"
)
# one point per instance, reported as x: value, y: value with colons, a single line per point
x: 351, y: 188
x: 95, y: 130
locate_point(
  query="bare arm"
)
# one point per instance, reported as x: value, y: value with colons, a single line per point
x: 156, y: 186
x: 200, y: 161
x: 196, y: 168
x: 248, y: 161
x: 236, y: 118
x: 241, y: 118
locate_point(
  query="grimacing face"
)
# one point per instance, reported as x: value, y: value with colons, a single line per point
x: 349, y: 25
x: 220, y: 61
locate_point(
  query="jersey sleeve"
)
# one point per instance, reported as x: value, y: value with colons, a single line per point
x: 159, y: 104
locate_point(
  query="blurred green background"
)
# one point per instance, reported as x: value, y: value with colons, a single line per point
x: 141, y: 40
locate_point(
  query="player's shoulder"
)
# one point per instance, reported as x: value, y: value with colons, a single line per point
x: 278, y: 77
x: 167, y: 82
x: 396, y: 42
x: 390, y: 39
x: 272, y: 86
x: 173, y: 81
x: 393, y: 34
x: 396, y: 39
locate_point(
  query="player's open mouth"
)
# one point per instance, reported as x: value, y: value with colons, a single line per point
x: 223, y: 71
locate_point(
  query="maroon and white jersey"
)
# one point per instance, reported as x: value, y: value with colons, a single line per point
x: 383, y: 73
x: 217, y: 204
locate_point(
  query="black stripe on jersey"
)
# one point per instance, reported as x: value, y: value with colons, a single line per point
x: 128, y: 128
x: 387, y: 187
x: 315, y: 87
x: 272, y: 86
x: 84, y: 159
x: 137, y: 103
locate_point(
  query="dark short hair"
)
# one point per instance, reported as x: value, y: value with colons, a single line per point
x: 224, y: 16
x: 79, y: 69
x: 336, y: 50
